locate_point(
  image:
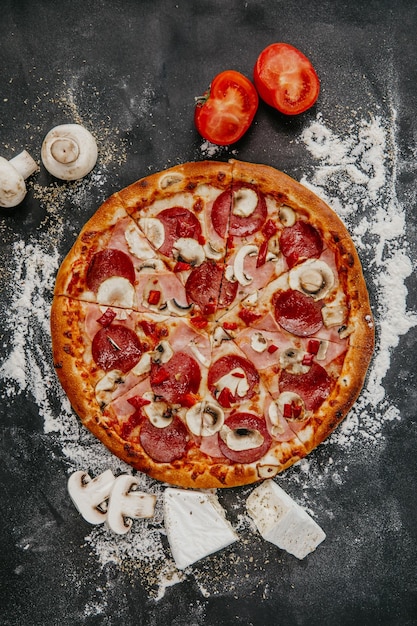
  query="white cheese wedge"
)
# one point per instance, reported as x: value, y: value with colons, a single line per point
x: 196, y: 525
x: 282, y: 521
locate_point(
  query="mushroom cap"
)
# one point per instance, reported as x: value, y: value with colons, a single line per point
x: 12, y: 185
x: 69, y: 151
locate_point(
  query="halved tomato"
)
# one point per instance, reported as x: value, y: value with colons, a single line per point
x: 226, y: 110
x: 285, y: 79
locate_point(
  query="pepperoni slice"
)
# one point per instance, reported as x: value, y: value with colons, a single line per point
x: 297, y: 313
x: 224, y: 220
x: 175, y: 380
x: 243, y: 424
x: 116, y: 347
x: 313, y: 386
x: 164, y: 445
x: 206, y: 287
x: 108, y: 263
x: 300, y: 242
x: 178, y: 222
x: 226, y: 364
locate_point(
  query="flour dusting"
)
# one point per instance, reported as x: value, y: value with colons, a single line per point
x: 355, y: 173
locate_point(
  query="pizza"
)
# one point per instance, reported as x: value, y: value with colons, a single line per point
x: 211, y: 324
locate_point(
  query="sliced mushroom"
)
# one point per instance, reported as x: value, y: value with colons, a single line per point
x: 169, y: 179
x: 153, y: 230
x: 241, y: 438
x: 12, y: 178
x: 178, y: 309
x: 69, y: 152
x: 107, y: 385
x: 239, y: 264
x: 151, y: 266
x: 219, y: 335
x: 252, y: 299
x: 334, y: 315
x: 291, y: 359
x: 235, y: 381
x: 313, y: 277
x: 127, y: 502
x: 245, y: 201
x: 205, y: 418
x: 116, y: 291
x: 267, y: 470
x: 277, y: 427
x: 137, y: 244
x: 159, y: 413
x: 189, y: 250
x: 144, y: 365
x: 287, y: 215
x: 212, y: 252
x: 291, y: 399
x: 91, y: 495
x: 258, y: 342
x: 162, y: 353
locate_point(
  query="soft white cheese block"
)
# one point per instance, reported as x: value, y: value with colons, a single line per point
x: 282, y: 521
x: 196, y: 525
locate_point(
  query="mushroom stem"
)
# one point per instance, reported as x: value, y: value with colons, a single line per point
x: 24, y: 164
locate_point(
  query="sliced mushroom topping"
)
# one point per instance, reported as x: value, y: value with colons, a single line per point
x: 162, y: 353
x: 152, y: 265
x: 287, y: 215
x: 235, y: 381
x: 314, y: 278
x: 241, y: 438
x: 230, y: 274
x: 128, y: 502
x: 189, y: 250
x: 277, y: 427
x: 167, y: 180
x: 322, y: 351
x: 144, y: 365
x: 205, y: 419
x: 116, y: 291
x: 239, y: 263
x: 91, y: 495
x: 153, y: 230
x: 137, y: 244
x: 159, y: 413
x: 267, y: 471
x: 219, y: 335
x: 178, y: 309
x: 212, y: 252
x: 107, y: 385
x: 291, y: 406
x: 258, y: 342
x: 291, y: 360
x: 334, y: 315
x: 245, y: 201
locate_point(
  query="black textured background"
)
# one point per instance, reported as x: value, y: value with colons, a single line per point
x: 135, y: 67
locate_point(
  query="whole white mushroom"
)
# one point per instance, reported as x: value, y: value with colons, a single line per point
x: 69, y: 151
x: 12, y: 178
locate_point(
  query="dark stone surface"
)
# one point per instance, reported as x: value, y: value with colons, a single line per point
x: 129, y: 70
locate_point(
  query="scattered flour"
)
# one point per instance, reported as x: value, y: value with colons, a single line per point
x: 356, y: 175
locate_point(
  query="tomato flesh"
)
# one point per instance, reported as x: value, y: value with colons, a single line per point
x: 285, y: 79
x: 225, y: 112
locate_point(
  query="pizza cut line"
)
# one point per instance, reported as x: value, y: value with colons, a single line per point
x: 211, y: 324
